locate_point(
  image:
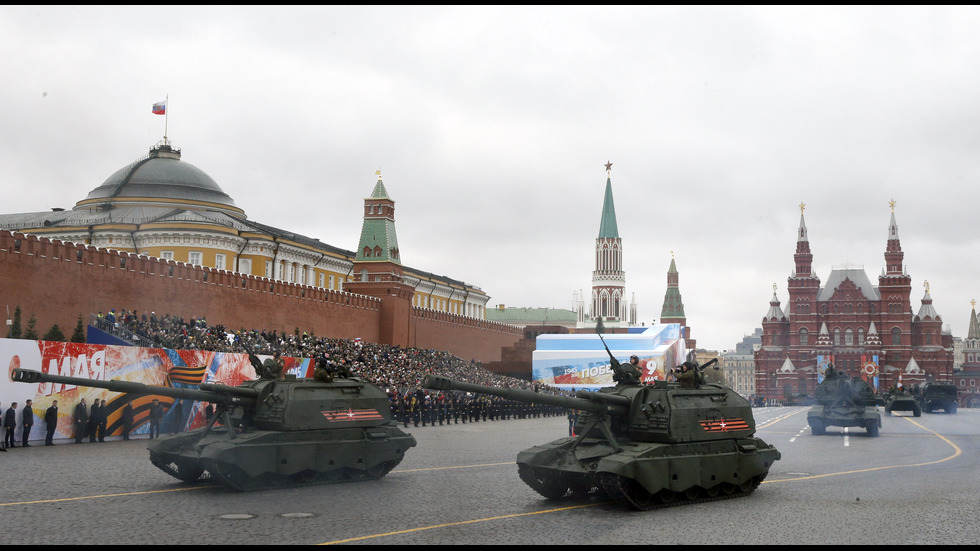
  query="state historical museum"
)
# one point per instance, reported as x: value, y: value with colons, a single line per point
x: 865, y: 330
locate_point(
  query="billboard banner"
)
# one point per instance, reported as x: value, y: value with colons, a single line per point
x: 150, y: 366
x: 580, y: 361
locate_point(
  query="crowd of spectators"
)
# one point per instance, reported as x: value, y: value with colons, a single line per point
x: 392, y: 368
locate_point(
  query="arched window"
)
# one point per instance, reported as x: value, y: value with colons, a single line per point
x: 861, y: 337
x: 837, y: 337
x: 367, y: 251
x: 804, y: 337
x: 896, y: 336
x: 849, y: 337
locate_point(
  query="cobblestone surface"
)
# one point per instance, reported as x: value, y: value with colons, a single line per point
x: 914, y: 484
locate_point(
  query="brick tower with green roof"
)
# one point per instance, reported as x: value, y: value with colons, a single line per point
x: 377, y: 267
x: 673, y: 310
x: 608, y: 278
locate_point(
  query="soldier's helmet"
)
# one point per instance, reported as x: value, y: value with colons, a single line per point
x: 634, y: 357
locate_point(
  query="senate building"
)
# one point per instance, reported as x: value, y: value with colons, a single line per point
x: 164, y: 207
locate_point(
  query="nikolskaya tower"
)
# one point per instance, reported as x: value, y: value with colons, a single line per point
x: 608, y: 301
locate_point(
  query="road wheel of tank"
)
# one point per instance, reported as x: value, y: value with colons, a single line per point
x: 728, y: 488
x: 712, y: 491
x: 747, y: 486
x: 872, y: 427
x: 378, y: 471
x: 630, y: 493
x: 545, y: 482
x: 665, y: 496
x: 188, y: 471
x: 582, y: 487
x: 305, y: 477
x: 692, y: 493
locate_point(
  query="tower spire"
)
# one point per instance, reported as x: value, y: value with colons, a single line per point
x: 608, y: 278
x: 974, y: 332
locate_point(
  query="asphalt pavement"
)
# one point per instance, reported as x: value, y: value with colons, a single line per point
x: 914, y: 484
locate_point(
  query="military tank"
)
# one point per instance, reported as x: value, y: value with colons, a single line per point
x: 932, y: 396
x: 843, y: 401
x: 897, y: 400
x: 273, y: 432
x: 645, y: 446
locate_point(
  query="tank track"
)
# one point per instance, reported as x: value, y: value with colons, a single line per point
x: 629, y: 493
x: 234, y: 477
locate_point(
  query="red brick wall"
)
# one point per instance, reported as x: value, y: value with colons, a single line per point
x: 56, y: 282
x: 467, y: 338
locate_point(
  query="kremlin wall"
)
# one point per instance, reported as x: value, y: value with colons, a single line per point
x: 55, y: 282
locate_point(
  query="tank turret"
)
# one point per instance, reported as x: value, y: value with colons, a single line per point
x: 643, y: 445
x: 292, y: 431
x: 843, y: 401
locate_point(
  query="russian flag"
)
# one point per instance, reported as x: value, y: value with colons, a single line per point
x: 160, y: 108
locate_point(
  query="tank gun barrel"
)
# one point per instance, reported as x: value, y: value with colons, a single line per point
x: 214, y: 393
x: 593, y: 401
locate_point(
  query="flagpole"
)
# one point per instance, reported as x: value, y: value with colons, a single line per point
x: 166, y: 116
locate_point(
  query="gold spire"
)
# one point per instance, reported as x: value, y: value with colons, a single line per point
x: 892, y: 205
x: 802, y: 206
x: 773, y: 287
x: 378, y: 173
x: 926, y: 285
x: 973, y: 304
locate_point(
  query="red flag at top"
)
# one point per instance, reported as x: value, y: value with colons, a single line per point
x: 160, y: 108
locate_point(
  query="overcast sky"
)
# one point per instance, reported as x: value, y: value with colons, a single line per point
x: 491, y: 126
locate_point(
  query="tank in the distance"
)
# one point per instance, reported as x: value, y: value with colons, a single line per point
x: 273, y: 432
x: 933, y: 396
x: 645, y: 446
x: 843, y: 401
x: 900, y: 400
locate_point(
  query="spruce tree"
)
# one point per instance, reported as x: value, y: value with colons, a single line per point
x: 54, y: 334
x: 79, y: 334
x: 31, y: 333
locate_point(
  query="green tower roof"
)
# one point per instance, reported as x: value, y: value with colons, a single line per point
x: 608, y: 227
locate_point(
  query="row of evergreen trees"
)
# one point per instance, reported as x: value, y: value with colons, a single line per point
x: 54, y: 333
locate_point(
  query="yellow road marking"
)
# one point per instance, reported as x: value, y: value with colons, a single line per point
x: 59, y: 500
x: 423, y: 528
x: 956, y: 453
x: 102, y: 496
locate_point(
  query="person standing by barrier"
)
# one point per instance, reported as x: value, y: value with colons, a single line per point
x: 102, y: 421
x: 27, y: 422
x: 51, y: 423
x: 9, y: 424
x: 81, y: 421
x: 127, y: 420
x: 156, y: 414
x: 93, y: 420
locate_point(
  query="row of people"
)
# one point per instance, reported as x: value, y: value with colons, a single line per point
x: 389, y: 367
x: 9, y: 422
x: 451, y: 407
